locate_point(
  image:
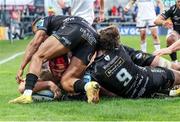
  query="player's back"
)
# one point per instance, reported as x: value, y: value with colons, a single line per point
x: 51, y: 24
x: 116, y: 72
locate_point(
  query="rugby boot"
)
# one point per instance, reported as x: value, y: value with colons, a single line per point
x: 22, y: 100
x: 174, y: 93
x: 92, y: 91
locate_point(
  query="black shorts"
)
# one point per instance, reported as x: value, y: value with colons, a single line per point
x: 162, y: 78
x: 154, y: 80
x: 80, y: 38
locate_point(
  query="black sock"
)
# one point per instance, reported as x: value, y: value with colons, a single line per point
x: 31, y: 80
x: 173, y: 56
x: 79, y: 86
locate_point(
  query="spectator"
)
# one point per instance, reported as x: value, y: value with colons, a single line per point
x: 114, y: 11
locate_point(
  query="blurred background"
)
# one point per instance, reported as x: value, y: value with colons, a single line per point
x: 16, y: 16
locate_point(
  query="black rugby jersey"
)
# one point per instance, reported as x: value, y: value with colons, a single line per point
x: 116, y: 72
x: 139, y: 57
x: 51, y: 24
x: 174, y: 13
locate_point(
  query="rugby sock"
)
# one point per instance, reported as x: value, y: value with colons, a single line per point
x: 144, y: 46
x: 173, y: 56
x: 157, y: 46
x: 27, y: 92
x: 79, y: 86
x: 31, y: 80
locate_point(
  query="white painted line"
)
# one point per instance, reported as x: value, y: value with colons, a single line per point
x: 11, y: 58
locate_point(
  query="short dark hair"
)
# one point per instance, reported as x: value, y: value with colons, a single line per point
x: 109, y: 38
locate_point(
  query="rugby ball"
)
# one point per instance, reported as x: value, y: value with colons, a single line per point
x: 43, y: 96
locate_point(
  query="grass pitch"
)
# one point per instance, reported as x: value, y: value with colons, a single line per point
x: 108, y: 109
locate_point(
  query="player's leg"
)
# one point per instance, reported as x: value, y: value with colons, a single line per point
x: 171, y: 38
x: 143, y: 39
x: 52, y: 47
x: 71, y: 83
x: 177, y: 77
x: 176, y: 92
x: 141, y: 25
x: 71, y: 79
x: 156, y: 40
x: 162, y: 62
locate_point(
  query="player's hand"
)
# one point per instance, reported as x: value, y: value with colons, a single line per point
x: 19, y: 75
x: 163, y: 51
x: 55, y: 89
x: 126, y: 9
x: 168, y: 24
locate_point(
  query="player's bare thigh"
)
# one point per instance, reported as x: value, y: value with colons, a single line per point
x: 51, y: 48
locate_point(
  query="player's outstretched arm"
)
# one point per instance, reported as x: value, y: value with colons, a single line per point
x: 129, y: 5
x: 160, y: 20
x: 174, y: 47
x: 30, y: 50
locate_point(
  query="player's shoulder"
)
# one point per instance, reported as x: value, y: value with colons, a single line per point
x: 173, y: 8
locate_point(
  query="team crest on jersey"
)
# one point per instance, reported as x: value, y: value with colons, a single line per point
x: 40, y: 23
x: 107, y: 58
x: 139, y: 55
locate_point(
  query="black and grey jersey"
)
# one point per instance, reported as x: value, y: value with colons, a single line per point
x: 139, y: 57
x: 116, y: 72
x: 51, y: 24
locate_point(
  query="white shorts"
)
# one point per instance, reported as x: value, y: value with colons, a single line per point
x: 142, y: 24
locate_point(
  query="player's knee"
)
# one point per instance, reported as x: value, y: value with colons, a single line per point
x: 170, y: 40
x: 143, y: 36
x: 155, y: 36
x: 37, y: 57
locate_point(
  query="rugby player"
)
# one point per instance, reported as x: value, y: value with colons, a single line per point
x: 114, y: 70
x: 145, y: 17
x: 50, y: 79
x: 85, y: 9
x: 173, y: 13
x: 64, y: 34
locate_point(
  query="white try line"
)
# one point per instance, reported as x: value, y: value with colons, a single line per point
x: 11, y: 58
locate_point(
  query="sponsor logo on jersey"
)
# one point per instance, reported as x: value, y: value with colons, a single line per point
x: 88, y: 36
x: 68, y: 19
x: 113, y: 66
x: 107, y: 58
x: 67, y: 42
x: 139, y: 55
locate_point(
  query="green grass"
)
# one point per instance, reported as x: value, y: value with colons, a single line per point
x: 107, y: 109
